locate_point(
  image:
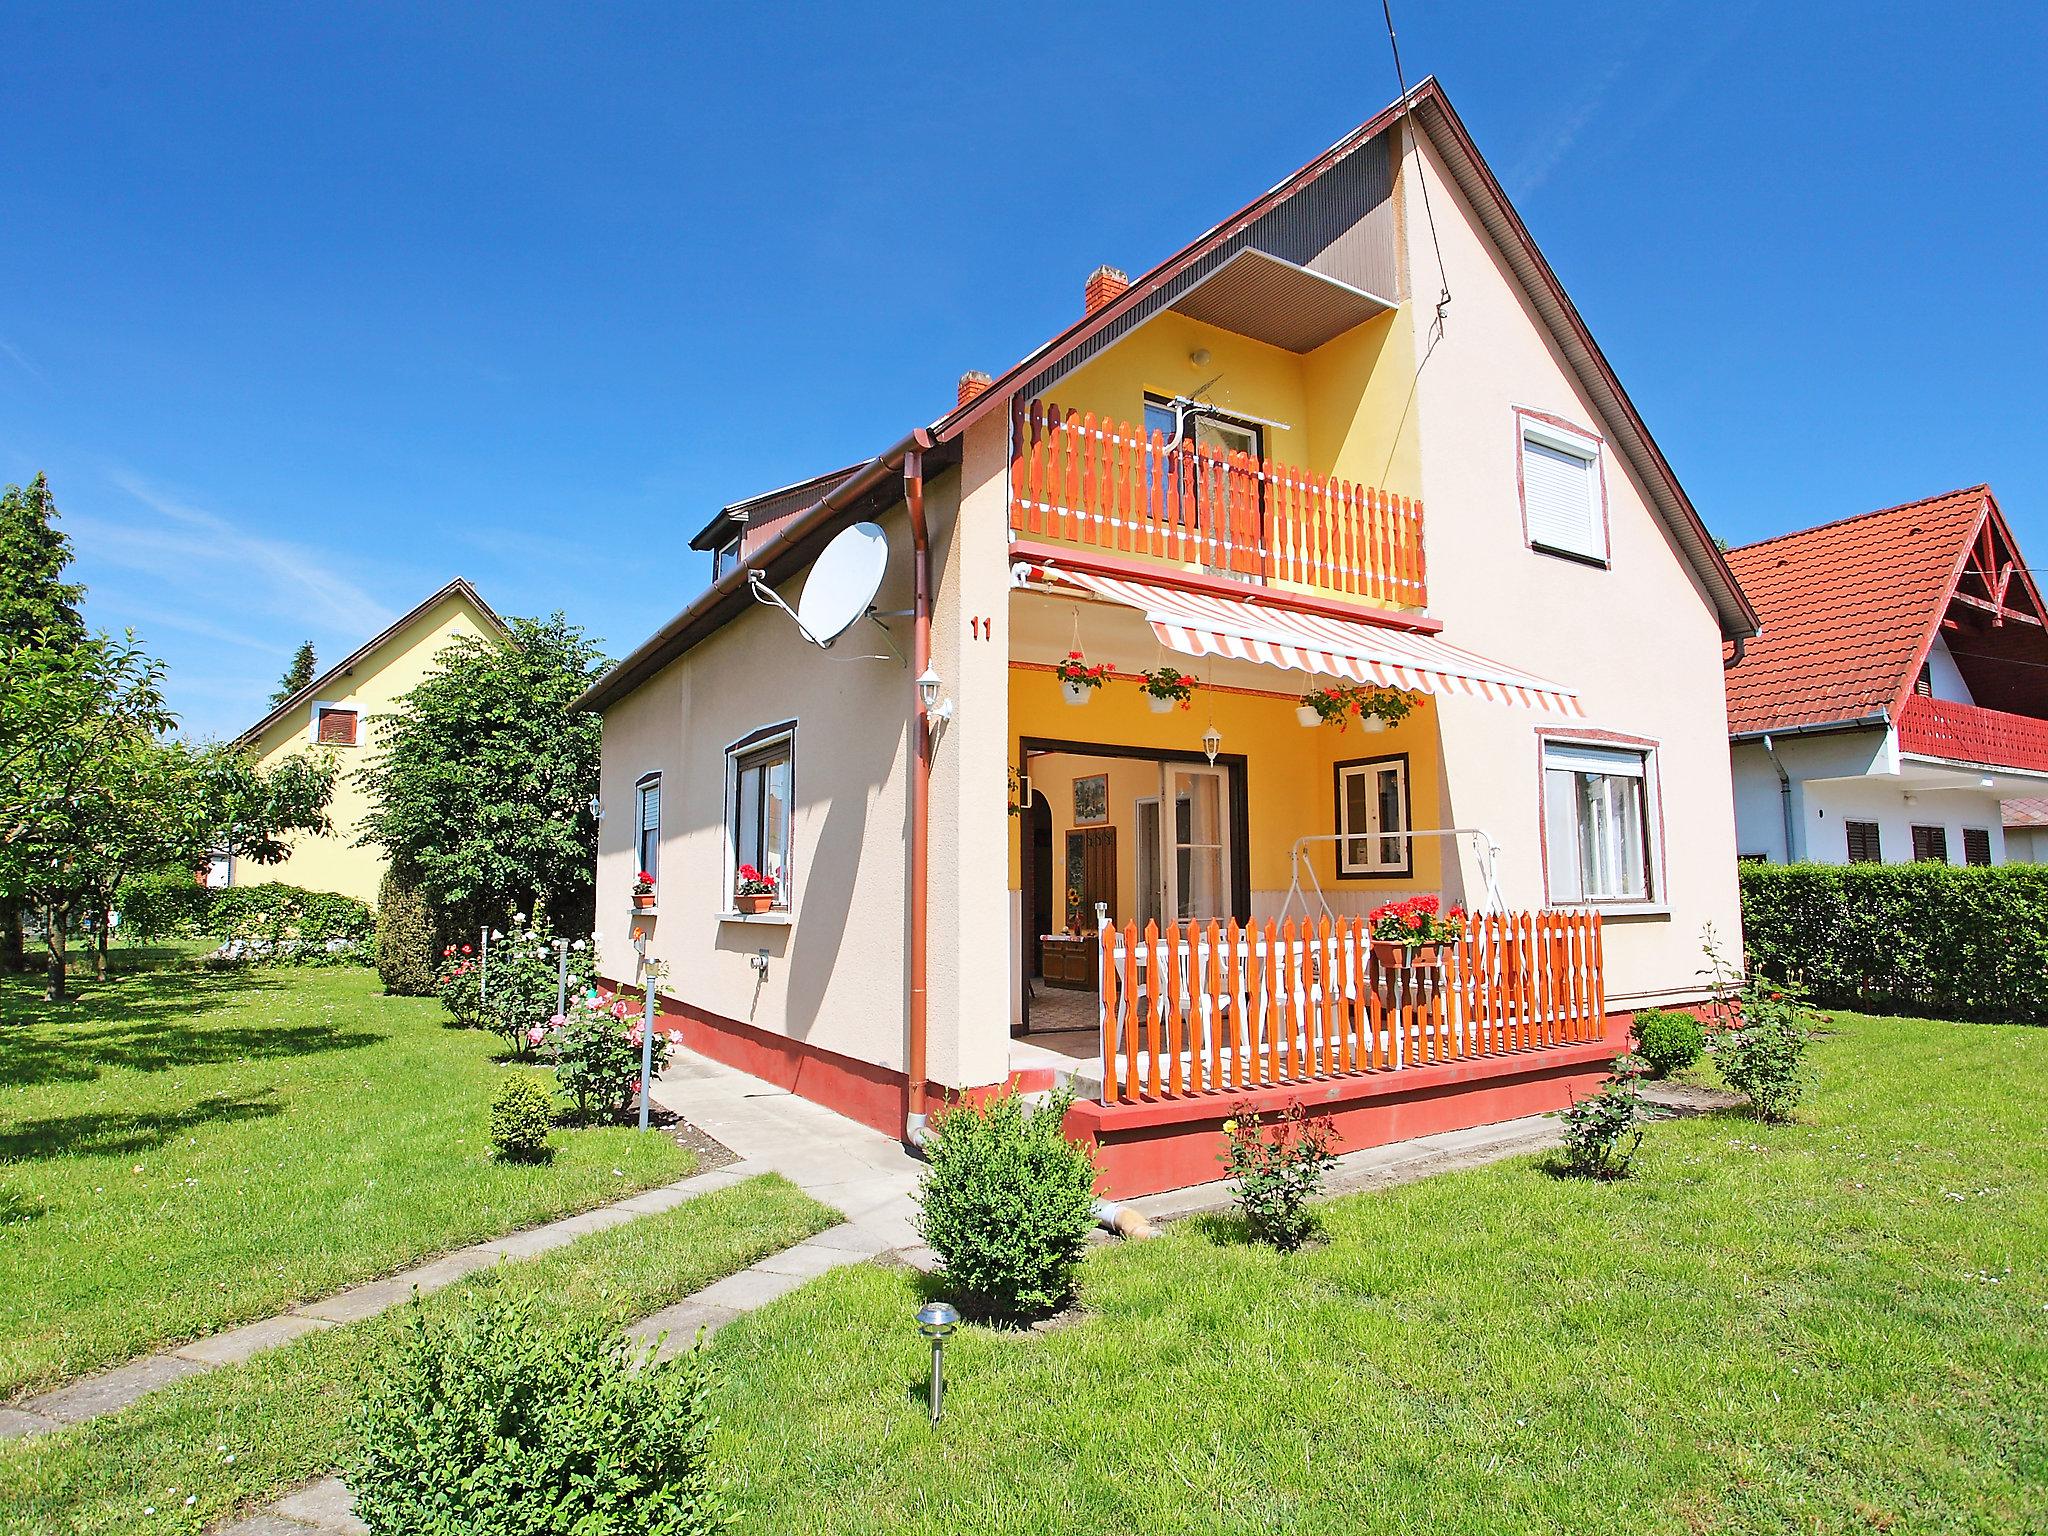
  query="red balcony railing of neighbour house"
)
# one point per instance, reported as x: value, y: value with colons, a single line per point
x: 1969, y: 733
x: 1077, y: 479
x: 1209, y: 1008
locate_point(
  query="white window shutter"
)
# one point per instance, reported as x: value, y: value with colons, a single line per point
x: 1559, y: 494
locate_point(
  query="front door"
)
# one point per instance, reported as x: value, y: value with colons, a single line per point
x: 1195, y: 844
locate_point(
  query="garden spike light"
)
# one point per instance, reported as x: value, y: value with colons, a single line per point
x: 935, y: 1320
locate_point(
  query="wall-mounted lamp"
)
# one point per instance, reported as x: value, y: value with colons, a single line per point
x: 596, y: 809
x: 928, y: 694
x: 1212, y: 743
x: 1199, y: 358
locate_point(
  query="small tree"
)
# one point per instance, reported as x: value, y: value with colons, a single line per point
x: 297, y: 675
x: 405, y: 937
x: 481, y: 785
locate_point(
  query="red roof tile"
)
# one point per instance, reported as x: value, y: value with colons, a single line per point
x: 2027, y: 813
x: 1846, y: 608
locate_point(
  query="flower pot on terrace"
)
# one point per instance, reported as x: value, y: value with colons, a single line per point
x: 1393, y: 955
x: 1307, y: 715
x: 753, y: 904
x: 1077, y: 693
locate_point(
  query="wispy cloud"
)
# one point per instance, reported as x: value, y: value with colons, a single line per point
x: 1545, y: 155
x: 143, y: 617
x: 20, y: 360
x: 227, y: 568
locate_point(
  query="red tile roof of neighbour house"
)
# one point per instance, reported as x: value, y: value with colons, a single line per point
x: 1849, y: 611
x: 2026, y: 813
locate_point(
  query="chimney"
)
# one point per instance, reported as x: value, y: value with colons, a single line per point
x: 1104, y: 284
x: 972, y: 384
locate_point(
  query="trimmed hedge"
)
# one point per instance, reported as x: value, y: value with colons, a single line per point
x: 159, y: 905
x: 406, y: 949
x: 1926, y: 938
x: 165, y: 905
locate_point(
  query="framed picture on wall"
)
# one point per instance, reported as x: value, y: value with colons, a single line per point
x: 1091, y: 799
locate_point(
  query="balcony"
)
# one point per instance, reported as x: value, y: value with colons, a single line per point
x: 1965, y: 733
x: 1106, y: 485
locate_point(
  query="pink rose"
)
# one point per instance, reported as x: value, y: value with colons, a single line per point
x: 535, y: 1035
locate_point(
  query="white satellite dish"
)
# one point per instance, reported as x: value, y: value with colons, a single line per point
x: 843, y: 582
x: 840, y: 590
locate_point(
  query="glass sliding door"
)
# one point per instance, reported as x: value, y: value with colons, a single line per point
x: 1196, y: 851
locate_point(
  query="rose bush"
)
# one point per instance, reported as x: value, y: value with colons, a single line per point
x: 595, y: 1049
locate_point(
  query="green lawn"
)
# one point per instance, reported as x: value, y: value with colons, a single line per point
x: 183, y: 1149
x: 1838, y: 1325
x: 241, y: 1435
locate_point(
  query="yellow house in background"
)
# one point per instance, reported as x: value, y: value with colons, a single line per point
x: 333, y: 713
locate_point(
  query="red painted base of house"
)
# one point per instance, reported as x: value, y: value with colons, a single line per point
x: 874, y: 1096
x: 1145, y: 1148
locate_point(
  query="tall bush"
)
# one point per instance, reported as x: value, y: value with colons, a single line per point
x: 506, y: 1422
x: 168, y: 904
x: 1931, y: 938
x: 1008, y: 1203
x: 405, y: 938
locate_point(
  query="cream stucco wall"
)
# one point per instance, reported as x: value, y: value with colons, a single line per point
x: 373, y: 686
x: 1638, y: 638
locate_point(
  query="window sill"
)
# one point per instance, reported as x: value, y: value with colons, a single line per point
x: 1656, y: 909
x: 1576, y: 556
x: 765, y: 919
x: 644, y: 912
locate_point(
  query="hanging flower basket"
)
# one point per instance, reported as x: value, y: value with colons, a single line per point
x: 1374, y: 708
x: 1308, y: 715
x: 1167, y: 687
x: 1078, y: 679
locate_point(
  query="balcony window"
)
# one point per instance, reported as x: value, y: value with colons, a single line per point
x: 1596, y: 823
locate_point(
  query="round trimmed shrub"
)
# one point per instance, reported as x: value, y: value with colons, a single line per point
x: 405, y: 938
x: 1008, y: 1204
x: 1668, y: 1041
x: 521, y: 1116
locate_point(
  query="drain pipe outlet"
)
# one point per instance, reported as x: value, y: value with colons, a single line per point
x: 1125, y: 1221
x: 917, y: 1129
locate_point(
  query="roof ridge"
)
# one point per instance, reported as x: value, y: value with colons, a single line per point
x: 1983, y: 487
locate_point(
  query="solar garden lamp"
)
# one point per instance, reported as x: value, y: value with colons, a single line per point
x: 936, y: 1320
x: 561, y: 978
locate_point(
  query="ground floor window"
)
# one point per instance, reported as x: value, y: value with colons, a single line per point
x: 1596, y: 822
x: 1865, y: 846
x: 1977, y: 845
x: 647, y: 821
x: 1372, y: 807
x: 1930, y: 845
x: 761, y: 780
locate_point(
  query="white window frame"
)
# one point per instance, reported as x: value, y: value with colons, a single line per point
x: 1374, y: 867
x: 1561, y: 437
x: 1556, y: 861
x: 641, y: 786
x: 339, y: 707
x: 753, y: 744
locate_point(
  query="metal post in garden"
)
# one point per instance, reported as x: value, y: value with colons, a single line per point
x: 483, y: 971
x: 651, y: 970
x: 561, y: 978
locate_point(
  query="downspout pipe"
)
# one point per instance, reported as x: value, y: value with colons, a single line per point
x: 916, y: 1113
x: 1784, y: 800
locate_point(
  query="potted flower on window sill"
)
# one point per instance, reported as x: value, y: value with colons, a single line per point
x: 1409, y: 935
x: 1167, y: 686
x: 1078, y: 678
x: 643, y: 892
x: 755, y: 890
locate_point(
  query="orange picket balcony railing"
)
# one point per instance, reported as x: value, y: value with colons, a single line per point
x: 1211, y: 1008
x: 1969, y: 733
x: 1105, y: 484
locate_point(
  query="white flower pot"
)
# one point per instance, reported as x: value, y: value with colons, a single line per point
x: 1372, y: 723
x: 1307, y: 715
x: 1077, y: 693
x: 1159, y: 706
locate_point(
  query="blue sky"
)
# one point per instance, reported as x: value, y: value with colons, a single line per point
x: 305, y: 311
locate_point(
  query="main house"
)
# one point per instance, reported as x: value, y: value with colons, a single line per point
x: 333, y: 713
x: 1236, y: 467
x: 1897, y: 693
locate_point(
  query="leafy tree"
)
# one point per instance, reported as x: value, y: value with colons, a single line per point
x: 297, y: 675
x: 482, y: 780
x: 36, y: 606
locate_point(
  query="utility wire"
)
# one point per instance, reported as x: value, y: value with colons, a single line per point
x: 1443, y: 301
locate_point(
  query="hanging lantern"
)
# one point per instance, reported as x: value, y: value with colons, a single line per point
x: 1212, y: 743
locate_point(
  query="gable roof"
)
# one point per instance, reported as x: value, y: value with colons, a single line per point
x: 757, y: 514
x: 2031, y: 812
x: 1851, y: 608
x: 1426, y: 106
x: 316, y: 688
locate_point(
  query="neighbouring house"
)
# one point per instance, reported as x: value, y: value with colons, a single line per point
x: 2026, y: 830
x: 332, y: 714
x: 1898, y: 692
x: 1236, y: 465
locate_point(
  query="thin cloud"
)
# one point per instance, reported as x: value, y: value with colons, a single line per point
x: 20, y: 360
x: 143, y: 617
x: 1544, y: 156
x: 226, y: 567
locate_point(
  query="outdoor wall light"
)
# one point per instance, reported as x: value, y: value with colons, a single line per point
x: 1212, y: 743
x: 596, y: 809
x: 935, y: 1320
x: 928, y: 694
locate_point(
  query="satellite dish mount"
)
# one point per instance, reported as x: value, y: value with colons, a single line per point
x: 840, y: 590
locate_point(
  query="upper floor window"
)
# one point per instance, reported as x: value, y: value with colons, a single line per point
x: 761, y: 795
x: 725, y: 557
x: 1372, y: 806
x: 334, y: 727
x: 1563, y: 487
x: 1598, y: 827
x: 1866, y: 845
x: 647, y: 823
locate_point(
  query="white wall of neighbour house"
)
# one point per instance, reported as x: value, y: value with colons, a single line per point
x: 2026, y: 845
x: 1830, y: 805
x: 1944, y: 677
x: 1842, y: 776
x: 1637, y: 638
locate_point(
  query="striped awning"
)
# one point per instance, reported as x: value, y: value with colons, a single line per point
x: 1198, y: 624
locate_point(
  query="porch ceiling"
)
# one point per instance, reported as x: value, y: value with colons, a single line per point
x: 1277, y: 302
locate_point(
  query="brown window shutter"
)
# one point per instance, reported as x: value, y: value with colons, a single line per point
x: 338, y: 727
